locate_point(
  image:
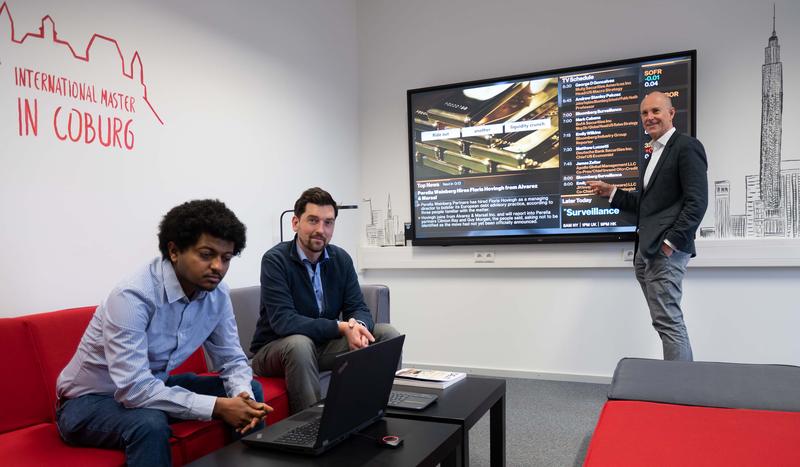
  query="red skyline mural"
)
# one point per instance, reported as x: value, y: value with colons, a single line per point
x: 135, y: 62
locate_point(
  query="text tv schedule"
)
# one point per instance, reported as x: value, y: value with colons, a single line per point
x: 600, y: 138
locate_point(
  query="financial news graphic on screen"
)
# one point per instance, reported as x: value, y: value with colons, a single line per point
x: 508, y: 159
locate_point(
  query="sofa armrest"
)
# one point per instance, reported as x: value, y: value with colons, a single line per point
x: 246, y: 308
x: 376, y: 296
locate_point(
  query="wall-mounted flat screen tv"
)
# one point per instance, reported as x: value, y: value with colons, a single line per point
x: 506, y: 160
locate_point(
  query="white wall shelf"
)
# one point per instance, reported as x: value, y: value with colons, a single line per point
x: 710, y: 254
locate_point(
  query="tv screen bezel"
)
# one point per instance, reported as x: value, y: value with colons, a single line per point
x: 534, y: 238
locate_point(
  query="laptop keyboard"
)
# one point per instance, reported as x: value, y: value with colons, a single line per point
x: 303, y: 435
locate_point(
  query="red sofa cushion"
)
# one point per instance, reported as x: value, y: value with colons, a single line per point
x: 55, y: 338
x: 196, y: 438
x: 635, y: 433
x: 24, y: 400
x: 40, y: 445
x: 275, y: 396
x: 196, y: 363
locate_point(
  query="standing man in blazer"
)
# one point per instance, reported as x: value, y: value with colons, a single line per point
x: 669, y: 208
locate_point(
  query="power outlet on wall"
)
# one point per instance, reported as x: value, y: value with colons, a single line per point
x: 484, y: 256
x: 627, y: 255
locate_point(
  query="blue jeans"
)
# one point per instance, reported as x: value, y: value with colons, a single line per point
x: 661, y: 279
x: 100, y: 421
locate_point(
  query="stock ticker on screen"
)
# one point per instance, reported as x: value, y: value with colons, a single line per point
x: 508, y: 159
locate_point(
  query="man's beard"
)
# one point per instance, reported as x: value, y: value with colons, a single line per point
x: 310, y: 244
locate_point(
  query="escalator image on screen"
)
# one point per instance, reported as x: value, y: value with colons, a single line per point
x: 506, y: 160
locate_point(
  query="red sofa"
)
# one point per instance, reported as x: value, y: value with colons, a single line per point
x: 699, y: 413
x: 33, y: 351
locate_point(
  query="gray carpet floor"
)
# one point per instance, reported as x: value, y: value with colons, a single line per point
x: 548, y: 423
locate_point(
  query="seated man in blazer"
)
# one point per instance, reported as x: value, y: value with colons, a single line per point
x: 306, y: 283
x: 669, y: 207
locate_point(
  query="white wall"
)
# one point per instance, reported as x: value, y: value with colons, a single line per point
x: 259, y: 101
x: 262, y: 99
x: 566, y: 322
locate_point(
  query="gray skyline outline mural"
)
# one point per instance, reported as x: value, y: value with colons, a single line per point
x: 772, y: 208
x: 384, y: 230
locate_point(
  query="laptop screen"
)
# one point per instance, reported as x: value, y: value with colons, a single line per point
x: 359, y: 390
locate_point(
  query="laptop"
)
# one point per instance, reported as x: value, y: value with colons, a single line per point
x: 410, y: 400
x: 361, y: 381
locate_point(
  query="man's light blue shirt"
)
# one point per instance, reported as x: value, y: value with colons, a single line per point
x: 315, y: 275
x: 146, y: 328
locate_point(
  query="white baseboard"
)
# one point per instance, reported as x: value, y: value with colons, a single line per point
x: 522, y: 374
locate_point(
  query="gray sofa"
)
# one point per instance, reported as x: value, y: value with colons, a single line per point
x: 246, y: 304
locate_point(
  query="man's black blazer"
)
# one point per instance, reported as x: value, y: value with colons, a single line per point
x: 675, y: 200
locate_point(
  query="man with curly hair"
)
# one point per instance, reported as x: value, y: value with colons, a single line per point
x: 311, y: 304
x: 116, y: 391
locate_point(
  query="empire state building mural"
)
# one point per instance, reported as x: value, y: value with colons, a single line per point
x: 771, y: 113
x: 772, y: 207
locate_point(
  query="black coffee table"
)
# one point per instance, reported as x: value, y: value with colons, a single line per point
x: 425, y: 443
x: 463, y: 404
